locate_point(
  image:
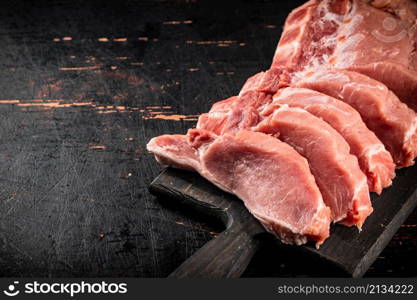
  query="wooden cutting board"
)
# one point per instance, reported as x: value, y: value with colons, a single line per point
x: 228, y: 254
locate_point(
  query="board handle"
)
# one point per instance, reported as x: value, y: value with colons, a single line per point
x: 226, y: 256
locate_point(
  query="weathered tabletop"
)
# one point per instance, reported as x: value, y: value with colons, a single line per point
x: 83, y: 87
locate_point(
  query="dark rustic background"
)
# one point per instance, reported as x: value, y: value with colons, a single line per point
x: 83, y: 86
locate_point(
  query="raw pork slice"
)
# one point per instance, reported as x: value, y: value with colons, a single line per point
x: 374, y: 160
x: 391, y: 120
x: 272, y: 179
x: 342, y: 183
x: 376, y: 38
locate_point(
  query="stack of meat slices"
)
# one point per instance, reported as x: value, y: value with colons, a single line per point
x: 305, y: 142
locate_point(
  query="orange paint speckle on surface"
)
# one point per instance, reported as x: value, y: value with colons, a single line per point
x: 82, y: 104
x: 120, y: 40
x: 163, y: 112
x: 49, y: 104
x: 97, y: 147
x: 143, y: 38
x: 103, y: 40
x: 46, y: 104
x: 113, y: 67
x: 9, y: 101
x: 67, y: 38
x: 177, y: 22
x: 94, y: 67
x: 172, y: 117
x: 107, y: 112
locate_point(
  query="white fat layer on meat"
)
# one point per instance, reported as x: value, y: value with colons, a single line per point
x: 411, y: 131
x: 343, y: 47
x: 358, y: 190
x: 375, y: 149
x: 352, y: 41
x: 329, y: 76
x: 316, y: 99
x: 316, y: 217
x: 286, y: 232
x: 287, y: 49
x: 328, y: 41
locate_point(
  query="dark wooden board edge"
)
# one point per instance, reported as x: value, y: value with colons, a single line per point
x: 227, y: 255
x: 193, y: 190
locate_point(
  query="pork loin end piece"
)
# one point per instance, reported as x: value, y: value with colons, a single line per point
x: 272, y: 179
x: 376, y: 38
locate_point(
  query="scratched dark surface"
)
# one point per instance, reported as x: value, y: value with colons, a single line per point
x: 83, y: 87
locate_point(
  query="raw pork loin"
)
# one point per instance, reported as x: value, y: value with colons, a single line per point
x: 304, y: 142
x: 377, y: 38
x: 337, y: 172
x: 247, y: 110
x: 271, y: 178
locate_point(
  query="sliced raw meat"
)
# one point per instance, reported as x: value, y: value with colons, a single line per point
x: 340, y: 180
x: 376, y: 38
x: 374, y: 160
x: 234, y: 114
x: 391, y: 120
x: 272, y: 179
